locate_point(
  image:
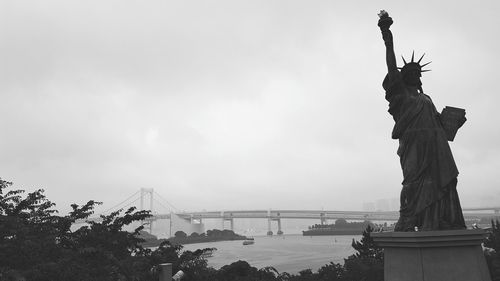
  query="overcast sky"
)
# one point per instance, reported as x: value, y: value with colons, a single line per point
x: 223, y: 105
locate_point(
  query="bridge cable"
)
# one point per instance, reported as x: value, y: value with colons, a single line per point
x: 131, y: 203
x: 167, y: 208
x: 131, y: 196
x: 177, y: 209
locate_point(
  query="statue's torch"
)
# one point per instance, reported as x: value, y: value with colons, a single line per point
x: 384, y: 21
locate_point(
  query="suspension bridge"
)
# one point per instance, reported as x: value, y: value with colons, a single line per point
x: 148, y: 199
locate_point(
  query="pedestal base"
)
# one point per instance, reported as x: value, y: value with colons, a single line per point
x: 454, y: 255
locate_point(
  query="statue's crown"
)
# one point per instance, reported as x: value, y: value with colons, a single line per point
x: 412, y: 65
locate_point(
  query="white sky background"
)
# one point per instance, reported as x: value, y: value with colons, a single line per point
x: 222, y: 105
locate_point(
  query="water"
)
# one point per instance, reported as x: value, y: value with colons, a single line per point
x: 288, y: 253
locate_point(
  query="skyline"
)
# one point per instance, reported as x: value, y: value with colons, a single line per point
x: 247, y: 105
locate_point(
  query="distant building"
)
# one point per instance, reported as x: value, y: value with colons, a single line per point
x: 368, y: 206
x: 382, y: 205
x: 394, y: 204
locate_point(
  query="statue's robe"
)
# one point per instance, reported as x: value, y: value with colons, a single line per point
x: 429, y: 198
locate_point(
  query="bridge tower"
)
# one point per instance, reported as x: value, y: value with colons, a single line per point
x: 280, y: 232
x: 145, y: 192
x: 224, y: 219
x: 269, y: 231
x: 270, y: 218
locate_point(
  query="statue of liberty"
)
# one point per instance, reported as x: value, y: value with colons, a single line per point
x: 429, y: 198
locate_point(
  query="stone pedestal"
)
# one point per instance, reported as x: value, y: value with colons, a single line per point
x: 454, y: 255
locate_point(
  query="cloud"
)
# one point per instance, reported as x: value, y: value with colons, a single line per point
x: 278, y: 103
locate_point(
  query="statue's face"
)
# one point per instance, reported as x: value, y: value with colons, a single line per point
x: 412, y: 77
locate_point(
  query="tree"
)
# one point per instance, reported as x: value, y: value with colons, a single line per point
x: 243, y: 271
x: 236, y: 271
x: 368, y: 263
x: 37, y: 244
x: 304, y: 275
x: 214, y: 233
x: 492, y: 250
x: 180, y: 234
x: 28, y: 230
x: 331, y: 272
x: 194, y: 265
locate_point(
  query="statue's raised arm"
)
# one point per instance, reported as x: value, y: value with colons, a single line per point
x: 385, y: 23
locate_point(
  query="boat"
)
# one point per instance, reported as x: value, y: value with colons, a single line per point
x: 249, y: 241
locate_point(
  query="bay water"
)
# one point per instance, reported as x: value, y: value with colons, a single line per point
x: 287, y: 253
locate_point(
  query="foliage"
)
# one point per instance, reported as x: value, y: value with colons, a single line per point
x: 366, y: 248
x: 216, y: 233
x: 181, y: 238
x: 180, y: 234
x: 242, y: 271
x: 195, y: 265
x: 37, y: 244
x: 368, y: 263
x: 492, y: 250
x: 493, y: 238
